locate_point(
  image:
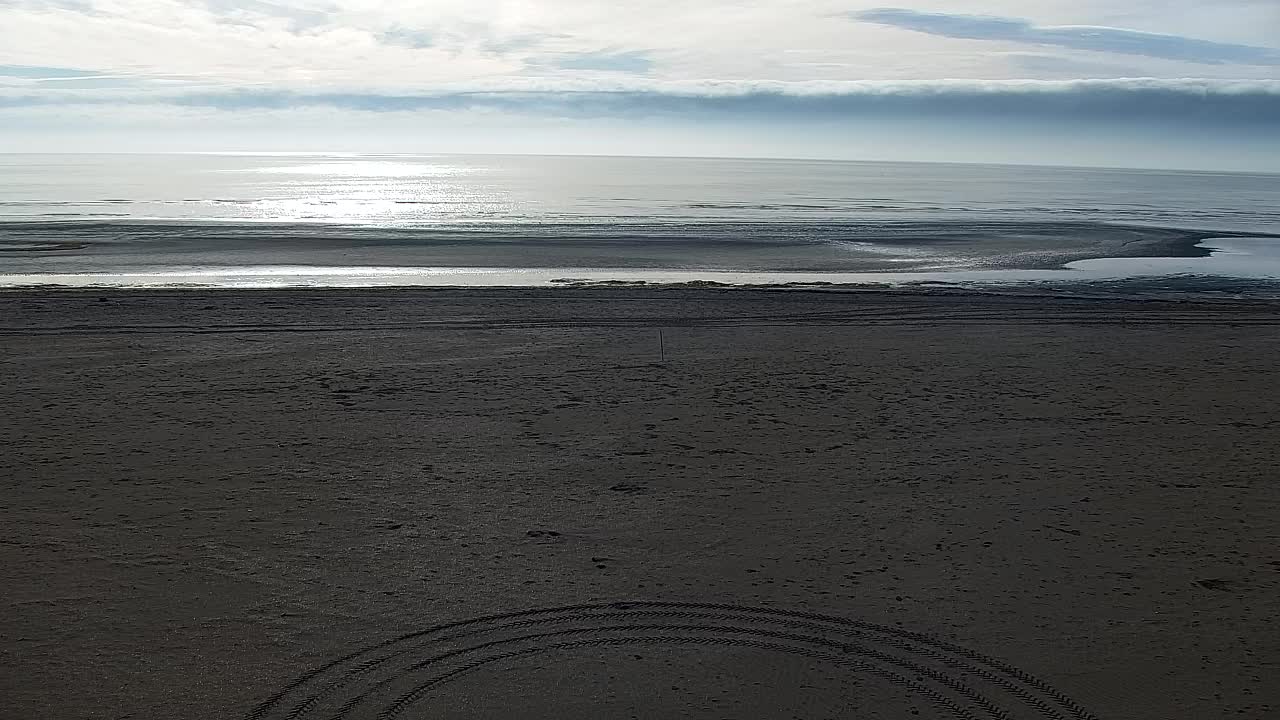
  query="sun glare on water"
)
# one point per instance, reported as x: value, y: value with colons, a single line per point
x: 369, y: 190
x: 365, y: 169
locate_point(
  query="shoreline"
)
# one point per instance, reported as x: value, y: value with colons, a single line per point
x: 1221, y: 262
x: 1263, y: 284
x: 835, y: 250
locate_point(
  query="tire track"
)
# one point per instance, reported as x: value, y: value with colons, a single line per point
x: 924, y: 650
x: 413, y: 695
x: 935, y: 697
x: 422, y: 661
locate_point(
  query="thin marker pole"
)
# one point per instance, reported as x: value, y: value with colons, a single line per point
x: 662, y: 346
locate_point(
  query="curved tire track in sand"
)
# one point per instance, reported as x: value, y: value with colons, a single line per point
x: 387, y: 679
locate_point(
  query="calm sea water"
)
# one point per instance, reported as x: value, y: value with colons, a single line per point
x: 365, y: 219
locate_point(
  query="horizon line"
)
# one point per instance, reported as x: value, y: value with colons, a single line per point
x: 759, y: 158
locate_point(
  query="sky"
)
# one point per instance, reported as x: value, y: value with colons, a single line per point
x: 1178, y: 83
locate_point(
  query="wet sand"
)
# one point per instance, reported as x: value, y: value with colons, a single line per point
x: 756, y: 504
x: 827, y: 246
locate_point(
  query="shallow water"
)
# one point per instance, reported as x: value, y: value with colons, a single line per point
x: 344, y: 220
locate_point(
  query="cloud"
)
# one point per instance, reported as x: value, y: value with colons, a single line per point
x: 58, y: 81
x: 337, y: 45
x: 1076, y: 37
x: 298, y: 18
x: 78, y: 6
x: 1202, y: 104
x: 518, y: 43
x: 35, y: 72
x: 1056, y: 66
x: 635, y: 62
x: 62, y: 78
x: 405, y: 37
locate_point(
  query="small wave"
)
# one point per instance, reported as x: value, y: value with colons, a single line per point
x: 65, y: 203
x: 41, y: 246
x: 755, y: 206
x: 81, y: 215
x: 433, y: 202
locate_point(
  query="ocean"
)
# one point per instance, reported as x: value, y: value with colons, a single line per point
x: 340, y: 220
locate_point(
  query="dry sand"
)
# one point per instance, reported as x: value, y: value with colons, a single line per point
x: 938, y: 506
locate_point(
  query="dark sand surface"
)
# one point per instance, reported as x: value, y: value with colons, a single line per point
x: 209, y: 495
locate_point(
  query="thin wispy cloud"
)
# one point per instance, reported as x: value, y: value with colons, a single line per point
x: 1076, y: 37
x: 296, y: 17
x: 35, y: 72
x: 635, y: 62
x: 407, y: 37
x: 63, y: 79
x: 78, y: 6
x: 1058, y: 66
x: 521, y: 42
x: 64, y: 82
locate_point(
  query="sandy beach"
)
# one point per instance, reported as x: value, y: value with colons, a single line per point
x: 695, y: 503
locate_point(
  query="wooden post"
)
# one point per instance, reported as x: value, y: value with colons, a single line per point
x: 662, y: 346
